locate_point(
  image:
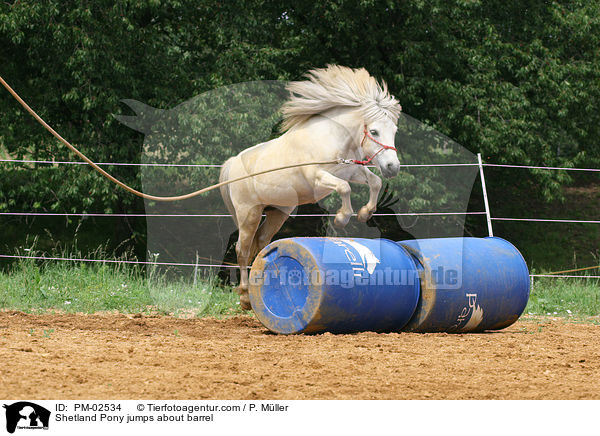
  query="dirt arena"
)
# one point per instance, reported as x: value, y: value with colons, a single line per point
x: 113, y: 356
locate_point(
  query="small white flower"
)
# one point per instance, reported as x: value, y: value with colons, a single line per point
x: 67, y: 302
x: 568, y: 311
x: 555, y: 313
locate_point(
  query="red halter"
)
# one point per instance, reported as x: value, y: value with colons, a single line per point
x: 369, y: 159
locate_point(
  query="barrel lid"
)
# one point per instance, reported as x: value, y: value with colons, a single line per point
x: 284, y: 286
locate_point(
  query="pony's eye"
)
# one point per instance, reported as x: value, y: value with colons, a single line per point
x: 374, y: 132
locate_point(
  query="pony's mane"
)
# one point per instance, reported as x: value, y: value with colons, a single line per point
x: 335, y: 86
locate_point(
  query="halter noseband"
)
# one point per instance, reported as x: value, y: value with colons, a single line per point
x: 369, y: 159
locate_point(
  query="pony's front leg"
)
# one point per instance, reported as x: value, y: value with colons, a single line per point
x: 374, y: 182
x: 326, y: 182
x: 248, y: 220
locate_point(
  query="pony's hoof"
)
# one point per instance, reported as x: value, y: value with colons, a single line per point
x: 245, y: 302
x: 364, y: 214
x: 244, y: 297
x: 341, y: 220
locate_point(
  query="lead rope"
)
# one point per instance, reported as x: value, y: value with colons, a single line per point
x: 153, y: 197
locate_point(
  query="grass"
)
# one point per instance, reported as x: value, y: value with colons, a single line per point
x: 67, y: 287
x: 565, y: 297
x: 33, y: 286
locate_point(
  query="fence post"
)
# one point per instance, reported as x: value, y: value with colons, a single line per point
x: 196, y: 270
x: 485, y: 198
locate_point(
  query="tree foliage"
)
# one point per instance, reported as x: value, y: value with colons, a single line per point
x: 517, y: 80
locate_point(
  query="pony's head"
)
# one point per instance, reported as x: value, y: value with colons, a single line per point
x: 337, y: 86
x: 378, y: 142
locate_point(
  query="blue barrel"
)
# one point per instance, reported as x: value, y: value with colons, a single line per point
x: 468, y: 284
x: 310, y: 285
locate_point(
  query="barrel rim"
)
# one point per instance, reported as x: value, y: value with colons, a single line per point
x: 428, y: 290
x: 293, y: 324
x: 509, y: 322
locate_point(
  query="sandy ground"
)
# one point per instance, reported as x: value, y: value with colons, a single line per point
x: 113, y: 356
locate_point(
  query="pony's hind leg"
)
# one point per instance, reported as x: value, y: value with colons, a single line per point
x: 274, y: 220
x: 248, y: 220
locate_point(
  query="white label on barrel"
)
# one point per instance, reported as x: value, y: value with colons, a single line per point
x: 367, y: 259
x: 472, y: 309
x: 366, y: 255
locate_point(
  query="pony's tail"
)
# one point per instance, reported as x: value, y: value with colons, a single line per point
x: 224, y: 176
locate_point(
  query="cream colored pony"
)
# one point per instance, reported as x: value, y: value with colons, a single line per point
x: 338, y: 113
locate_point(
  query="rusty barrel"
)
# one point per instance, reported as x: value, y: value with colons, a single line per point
x: 468, y: 284
x: 310, y: 285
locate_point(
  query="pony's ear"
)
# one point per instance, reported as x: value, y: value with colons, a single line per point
x: 146, y: 116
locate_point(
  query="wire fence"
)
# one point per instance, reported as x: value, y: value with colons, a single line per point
x: 474, y: 164
x: 52, y: 162
x: 131, y: 262
x: 84, y: 214
x: 564, y: 276
x: 479, y: 164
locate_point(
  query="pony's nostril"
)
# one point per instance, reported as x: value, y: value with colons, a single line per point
x: 391, y: 169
